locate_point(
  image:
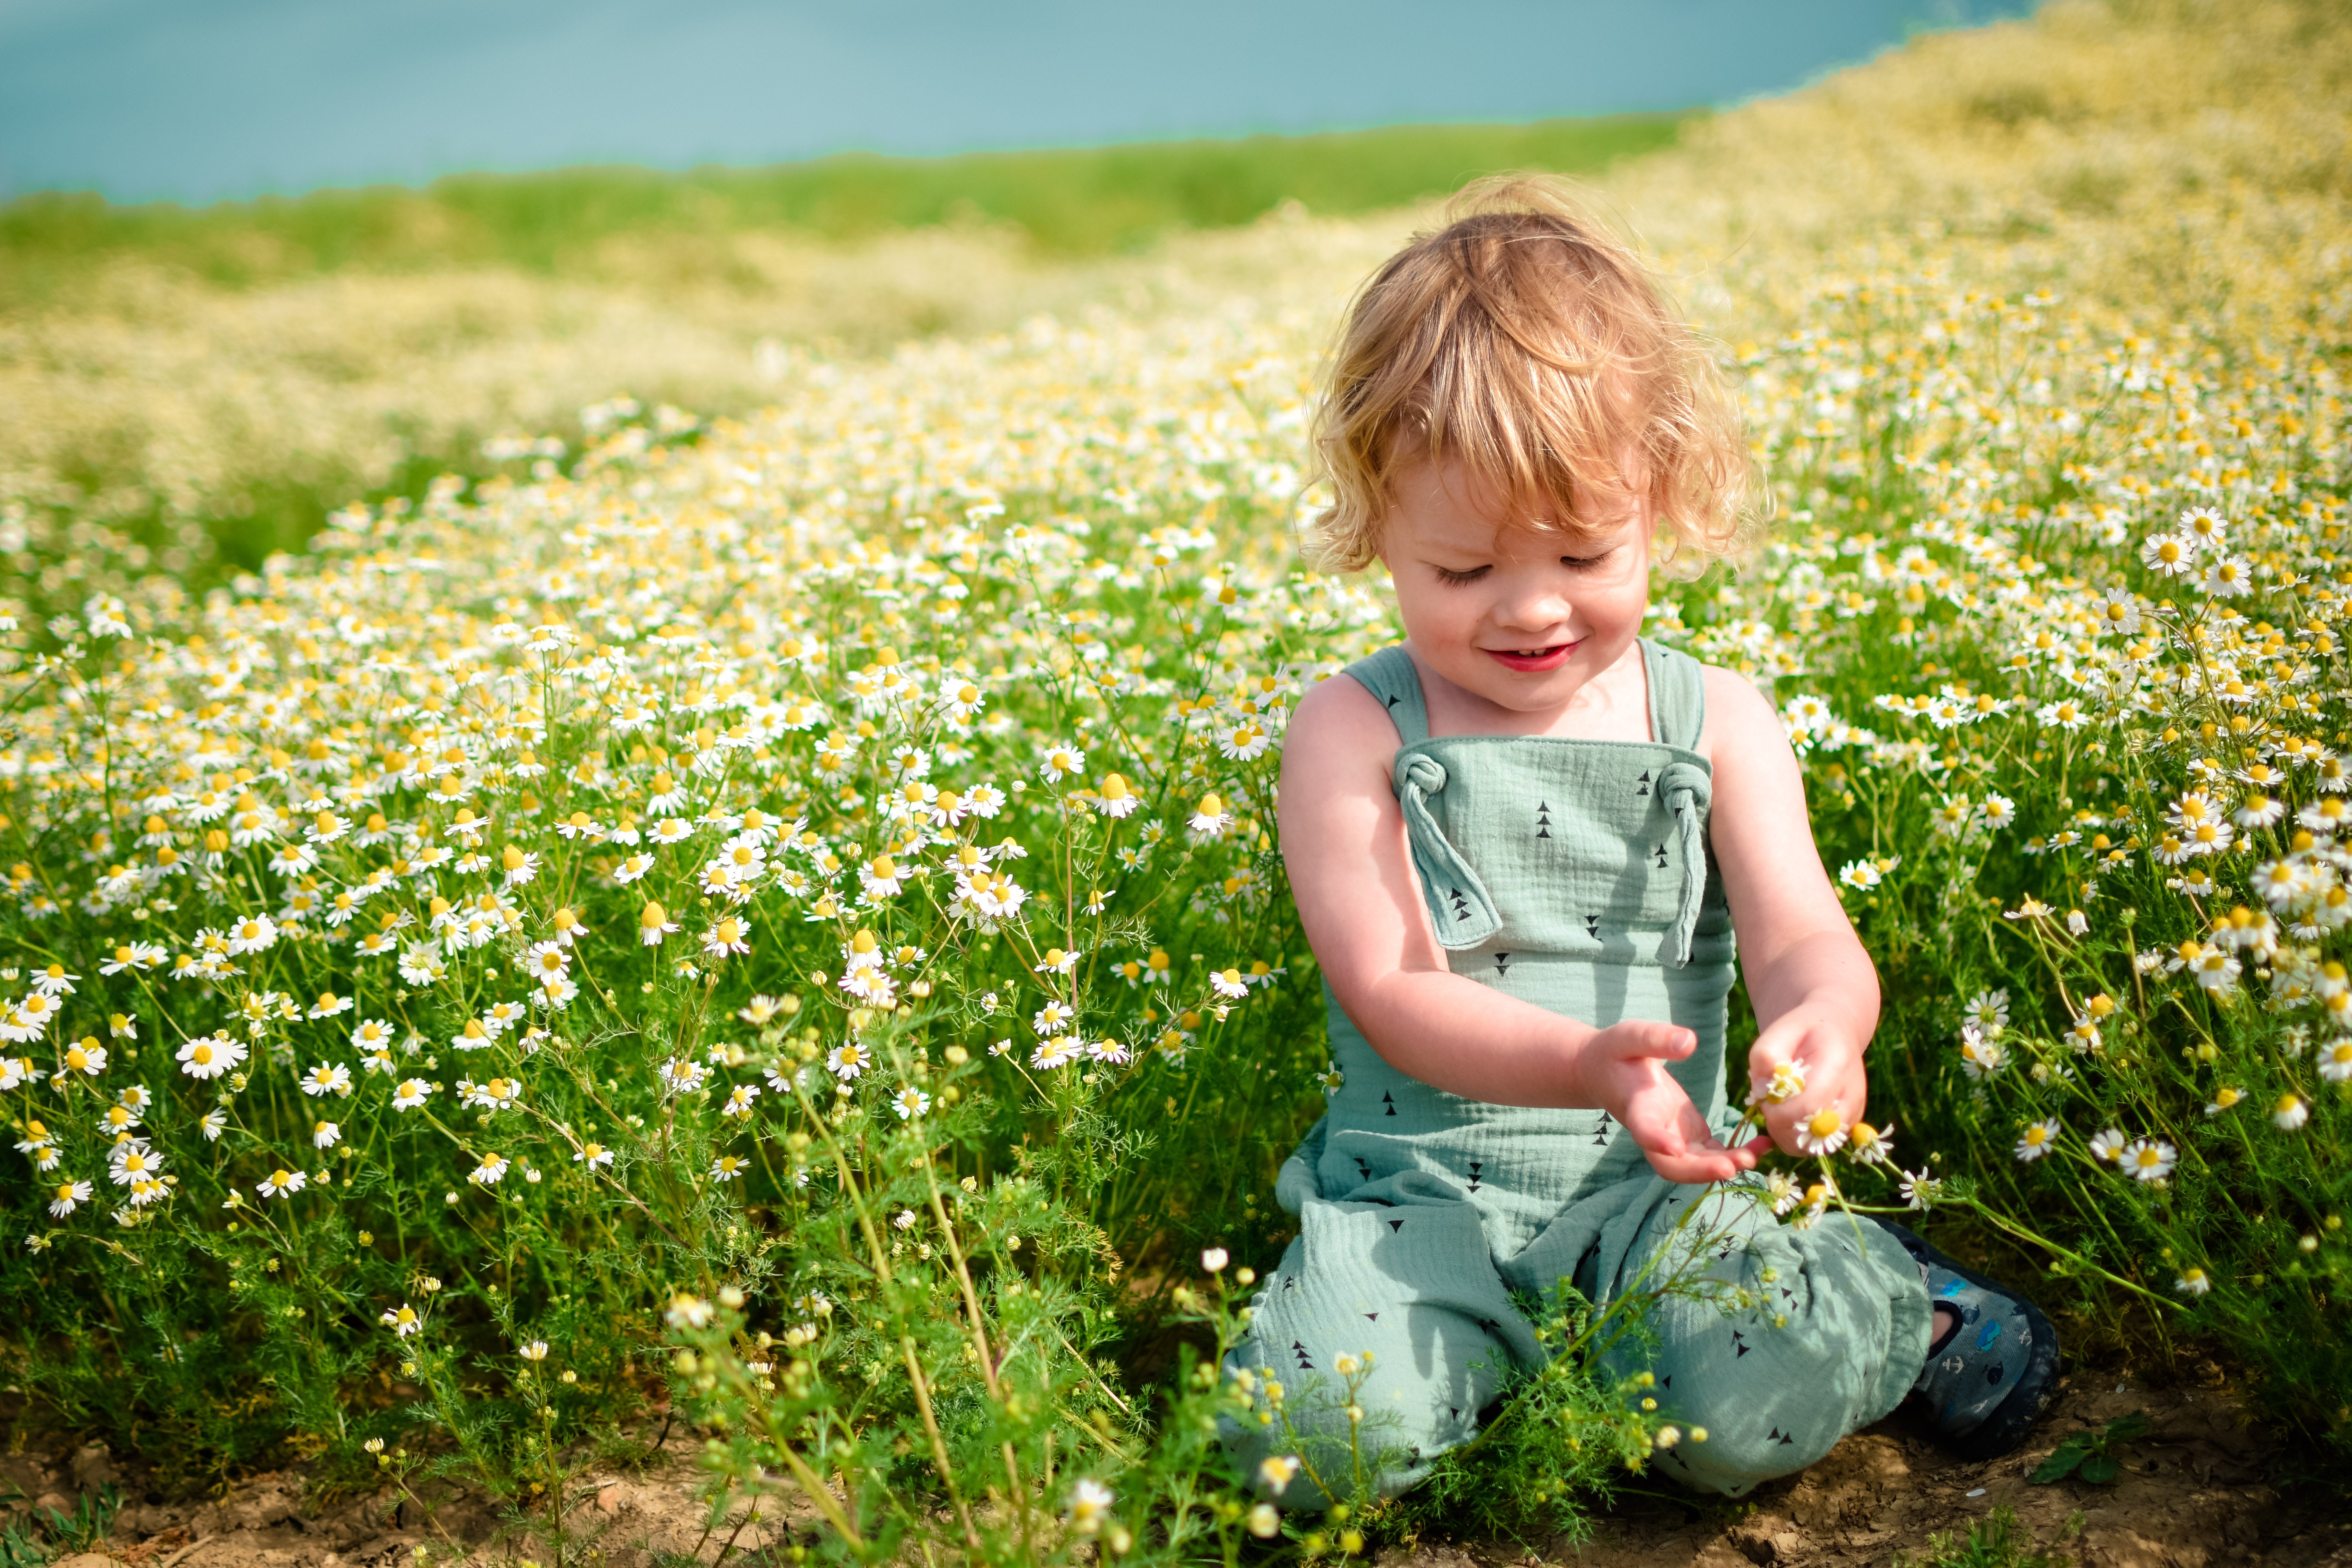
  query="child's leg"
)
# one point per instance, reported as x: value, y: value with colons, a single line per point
x: 1408, y: 1291
x: 1829, y: 1332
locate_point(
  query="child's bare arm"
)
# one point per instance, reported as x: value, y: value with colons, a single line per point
x: 1343, y: 840
x: 1813, y: 987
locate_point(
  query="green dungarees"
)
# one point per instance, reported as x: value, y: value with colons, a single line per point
x: 1572, y: 874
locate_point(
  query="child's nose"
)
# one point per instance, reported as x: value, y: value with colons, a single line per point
x: 1533, y: 607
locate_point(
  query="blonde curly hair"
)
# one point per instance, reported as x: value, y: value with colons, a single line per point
x: 1529, y: 343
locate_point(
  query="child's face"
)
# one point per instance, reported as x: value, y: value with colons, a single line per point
x: 1519, y: 616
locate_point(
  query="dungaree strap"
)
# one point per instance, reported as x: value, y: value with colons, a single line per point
x: 1677, y: 716
x: 1390, y: 675
x: 1460, y: 908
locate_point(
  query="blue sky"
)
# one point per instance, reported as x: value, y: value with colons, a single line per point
x: 207, y: 99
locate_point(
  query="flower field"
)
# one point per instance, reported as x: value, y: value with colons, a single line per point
x: 777, y: 917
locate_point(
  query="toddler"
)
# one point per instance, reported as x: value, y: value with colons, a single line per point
x: 1521, y: 843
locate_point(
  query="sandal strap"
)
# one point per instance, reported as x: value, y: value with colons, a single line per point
x: 1987, y: 1383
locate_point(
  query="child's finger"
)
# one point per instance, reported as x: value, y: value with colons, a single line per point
x: 1695, y: 1169
x: 1677, y: 1142
x: 1644, y: 1037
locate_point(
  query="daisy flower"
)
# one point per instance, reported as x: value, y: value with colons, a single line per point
x: 653, y: 923
x: 2168, y: 555
x: 2108, y: 1144
x: 253, y: 934
x: 910, y: 1103
x: 2149, y: 1159
x: 403, y: 1320
x: 2193, y: 1282
x: 726, y: 937
x: 593, y: 1156
x: 1244, y: 742
x: 328, y: 1078
x: 846, y: 1060
x: 1921, y: 1190
x: 209, y: 1055
x: 729, y: 1167
x: 1873, y: 1145
x: 66, y: 1196
x: 1057, y: 1052
x: 2290, y: 1113
x: 283, y: 1182
x: 411, y: 1093
x: 1210, y: 820
x: 1116, y: 799
x: 2037, y: 1140
x: 1824, y: 1131
x: 1786, y: 1082
x: 1088, y: 1508
x: 488, y: 1173
x: 132, y: 1161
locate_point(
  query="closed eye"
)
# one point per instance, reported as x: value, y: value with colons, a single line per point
x: 1579, y: 563
x: 1457, y: 578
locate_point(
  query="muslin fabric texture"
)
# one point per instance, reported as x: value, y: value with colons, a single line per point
x: 1574, y: 875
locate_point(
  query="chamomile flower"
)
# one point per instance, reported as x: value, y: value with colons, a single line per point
x: 282, y: 1183
x: 1210, y: 821
x: 2037, y: 1138
x: 328, y: 1078
x: 1825, y: 1131
x: 2148, y: 1158
x: 209, y: 1055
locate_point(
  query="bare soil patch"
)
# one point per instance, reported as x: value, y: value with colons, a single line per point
x: 2192, y: 1495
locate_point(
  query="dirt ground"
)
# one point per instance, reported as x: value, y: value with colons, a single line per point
x: 2191, y: 1495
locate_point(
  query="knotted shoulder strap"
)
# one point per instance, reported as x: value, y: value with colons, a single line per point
x: 1460, y: 908
x: 1677, y: 716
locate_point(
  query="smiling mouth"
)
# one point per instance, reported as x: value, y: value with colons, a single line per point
x: 1548, y: 657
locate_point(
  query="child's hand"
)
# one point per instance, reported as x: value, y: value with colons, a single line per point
x: 1820, y: 1043
x: 1621, y: 1071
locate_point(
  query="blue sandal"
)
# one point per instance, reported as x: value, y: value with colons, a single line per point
x: 1987, y: 1380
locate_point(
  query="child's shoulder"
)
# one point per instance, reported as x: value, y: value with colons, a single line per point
x: 1739, y: 717
x: 1339, y: 720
